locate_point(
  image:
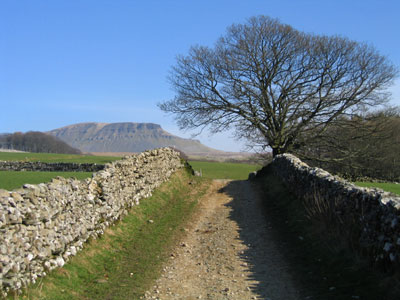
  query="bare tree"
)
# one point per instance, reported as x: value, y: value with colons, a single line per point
x: 272, y: 82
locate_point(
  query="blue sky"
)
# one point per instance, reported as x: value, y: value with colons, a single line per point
x: 71, y: 61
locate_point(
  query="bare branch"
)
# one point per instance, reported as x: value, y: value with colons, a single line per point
x: 272, y: 82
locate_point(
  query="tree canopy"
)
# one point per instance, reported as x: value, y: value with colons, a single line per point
x: 273, y: 83
x: 365, y: 145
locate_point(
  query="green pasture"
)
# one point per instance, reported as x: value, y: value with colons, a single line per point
x: 53, y: 157
x: 10, y: 180
x: 386, y: 186
x: 222, y: 170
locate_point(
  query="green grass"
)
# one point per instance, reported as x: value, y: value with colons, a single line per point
x: 10, y: 180
x: 128, y: 258
x: 221, y: 170
x: 389, y: 187
x: 53, y: 157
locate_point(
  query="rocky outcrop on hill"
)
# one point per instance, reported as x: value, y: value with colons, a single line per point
x: 42, y: 225
x: 124, y: 137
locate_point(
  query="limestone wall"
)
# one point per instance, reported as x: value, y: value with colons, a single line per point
x: 49, y: 167
x: 375, y: 213
x: 42, y: 225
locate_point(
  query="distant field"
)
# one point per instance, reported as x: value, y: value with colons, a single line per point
x: 52, y: 157
x: 220, y: 170
x: 10, y: 180
x: 388, y: 187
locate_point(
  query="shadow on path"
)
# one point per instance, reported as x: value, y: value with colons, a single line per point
x: 263, y: 256
x: 289, y: 263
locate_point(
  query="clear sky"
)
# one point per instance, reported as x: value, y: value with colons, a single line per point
x: 72, y: 61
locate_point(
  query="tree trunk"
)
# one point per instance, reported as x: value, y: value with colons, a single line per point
x: 277, y: 151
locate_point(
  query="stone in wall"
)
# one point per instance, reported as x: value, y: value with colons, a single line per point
x: 42, y: 225
x: 377, y: 213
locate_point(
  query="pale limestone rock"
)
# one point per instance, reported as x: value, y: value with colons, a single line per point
x: 42, y: 225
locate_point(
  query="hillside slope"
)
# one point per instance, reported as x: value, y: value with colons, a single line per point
x: 35, y: 141
x: 125, y: 137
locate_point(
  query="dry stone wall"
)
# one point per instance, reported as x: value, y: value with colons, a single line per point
x: 42, y: 225
x: 375, y: 212
x: 49, y: 167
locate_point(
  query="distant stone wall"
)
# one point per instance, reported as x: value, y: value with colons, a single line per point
x: 41, y: 226
x: 375, y: 212
x: 48, y: 167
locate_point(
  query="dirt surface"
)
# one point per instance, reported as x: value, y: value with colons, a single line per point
x: 227, y: 253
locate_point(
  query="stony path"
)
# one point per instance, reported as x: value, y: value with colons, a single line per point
x: 227, y: 253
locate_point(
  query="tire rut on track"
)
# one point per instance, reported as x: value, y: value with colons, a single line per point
x: 227, y: 252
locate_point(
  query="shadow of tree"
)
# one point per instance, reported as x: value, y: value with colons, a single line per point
x: 264, y: 252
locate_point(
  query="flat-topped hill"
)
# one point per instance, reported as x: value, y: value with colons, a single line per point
x: 125, y: 137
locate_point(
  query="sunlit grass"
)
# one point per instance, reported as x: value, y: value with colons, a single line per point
x: 223, y: 170
x: 10, y: 180
x: 386, y: 186
x: 54, y: 157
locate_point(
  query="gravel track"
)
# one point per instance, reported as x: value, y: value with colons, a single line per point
x: 228, y: 252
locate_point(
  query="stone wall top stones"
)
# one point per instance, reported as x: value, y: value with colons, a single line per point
x: 376, y: 212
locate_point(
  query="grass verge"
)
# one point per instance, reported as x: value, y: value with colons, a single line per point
x: 10, y: 180
x: 54, y: 158
x: 126, y: 260
x: 322, y: 262
x: 222, y: 170
x: 386, y: 186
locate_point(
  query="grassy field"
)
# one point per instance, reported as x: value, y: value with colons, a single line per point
x: 222, y: 170
x: 10, y: 180
x: 126, y: 260
x: 53, y: 157
x: 389, y: 187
